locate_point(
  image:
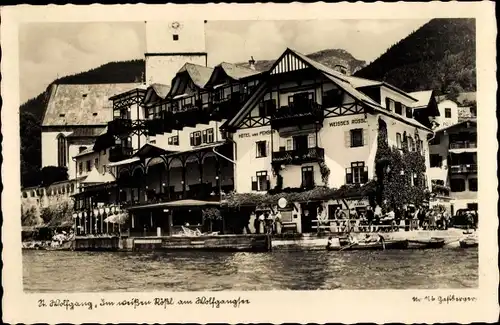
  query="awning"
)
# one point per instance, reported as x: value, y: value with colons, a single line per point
x: 179, y: 203
x: 150, y: 150
x: 96, y: 178
x: 124, y: 162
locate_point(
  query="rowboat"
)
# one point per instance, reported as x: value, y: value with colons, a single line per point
x: 468, y: 243
x: 427, y: 244
x: 379, y: 245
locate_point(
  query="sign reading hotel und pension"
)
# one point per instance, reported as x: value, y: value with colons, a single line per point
x: 347, y: 122
x: 331, y: 124
x: 255, y: 134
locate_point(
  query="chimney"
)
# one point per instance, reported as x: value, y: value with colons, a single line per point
x: 251, y: 63
x: 340, y: 68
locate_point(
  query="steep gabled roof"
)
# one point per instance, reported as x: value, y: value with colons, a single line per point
x: 423, y: 98
x: 74, y: 104
x: 156, y: 92
x: 199, y: 74
x: 336, y: 77
x: 471, y: 120
x: 232, y: 71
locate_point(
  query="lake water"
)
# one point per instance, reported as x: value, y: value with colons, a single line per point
x: 58, y: 271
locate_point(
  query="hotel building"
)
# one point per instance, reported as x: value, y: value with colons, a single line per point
x: 173, y: 150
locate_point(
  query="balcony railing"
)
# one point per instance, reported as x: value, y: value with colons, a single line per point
x: 119, y: 126
x: 297, y: 114
x: 118, y: 153
x: 298, y: 157
x: 463, y: 145
x: 464, y: 168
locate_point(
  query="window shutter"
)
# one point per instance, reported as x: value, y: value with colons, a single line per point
x: 254, y: 184
x: 365, y: 137
x: 348, y: 176
x: 388, y: 103
x: 268, y: 184
x: 268, y: 148
x: 191, y: 140
x: 365, y: 175
x: 347, y: 139
x: 204, y: 136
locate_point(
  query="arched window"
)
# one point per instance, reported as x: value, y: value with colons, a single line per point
x: 61, y: 150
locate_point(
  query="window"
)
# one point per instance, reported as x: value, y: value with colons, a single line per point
x: 473, y: 184
x: 457, y: 185
x: 390, y: 104
x: 447, y: 112
x: 356, y: 138
x: 267, y: 108
x: 260, y: 182
x: 289, y: 144
x: 195, y: 138
x: 311, y: 140
x: 332, y: 98
x: 357, y: 174
x: 80, y: 168
x: 88, y: 163
x: 436, y: 161
x: 173, y: 140
x: 398, y: 108
x: 438, y: 182
x: 96, y: 162
x: 261, y: 149
x: 175, y: 37
x: 409, y: 112
x: 61, y: 150
x: 398, y: 141
x: 472, y: 206
x: 411, y: 144
x: 210, y: 135
x: 308, y: 177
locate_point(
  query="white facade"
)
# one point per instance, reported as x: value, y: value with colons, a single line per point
x: 333, y: 137
x: 448, y: 113
x: 454, y: 163
x: 169, y: 45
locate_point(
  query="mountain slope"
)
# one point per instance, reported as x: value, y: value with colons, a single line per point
x: 441, y: 55
x: 329, y: 57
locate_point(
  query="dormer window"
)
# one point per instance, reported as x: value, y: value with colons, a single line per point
x: 409, y: 112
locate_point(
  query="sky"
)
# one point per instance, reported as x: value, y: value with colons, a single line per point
x: 51, y: 50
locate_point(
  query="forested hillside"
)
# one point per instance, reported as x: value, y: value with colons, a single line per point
x: 441, y: 55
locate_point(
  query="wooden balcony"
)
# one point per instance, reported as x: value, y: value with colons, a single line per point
x: 120, y: 126
x: 463, y: 145
x: 118, y: 153
x: 298, y: 157
x: 463, y: 169
x: 154, y: 126
x: 304, y: 113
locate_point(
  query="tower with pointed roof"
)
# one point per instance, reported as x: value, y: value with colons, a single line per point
x: 170, y: 45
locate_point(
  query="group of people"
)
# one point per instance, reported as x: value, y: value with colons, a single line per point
x: 264, y: 222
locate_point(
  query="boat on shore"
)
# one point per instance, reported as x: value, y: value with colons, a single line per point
x: 379, y: 245
x: 469, y: 243
x: 427, y: 244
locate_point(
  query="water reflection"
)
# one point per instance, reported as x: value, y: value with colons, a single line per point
x: 200, y: 271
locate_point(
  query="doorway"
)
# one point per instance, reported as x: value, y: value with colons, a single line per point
x: 309, y: 213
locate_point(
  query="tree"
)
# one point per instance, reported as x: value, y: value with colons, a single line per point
x: 53, y: 174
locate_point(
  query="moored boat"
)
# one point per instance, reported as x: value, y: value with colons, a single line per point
x: 379, y: 245
x: 468, y: 243
x: 427, y: 244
